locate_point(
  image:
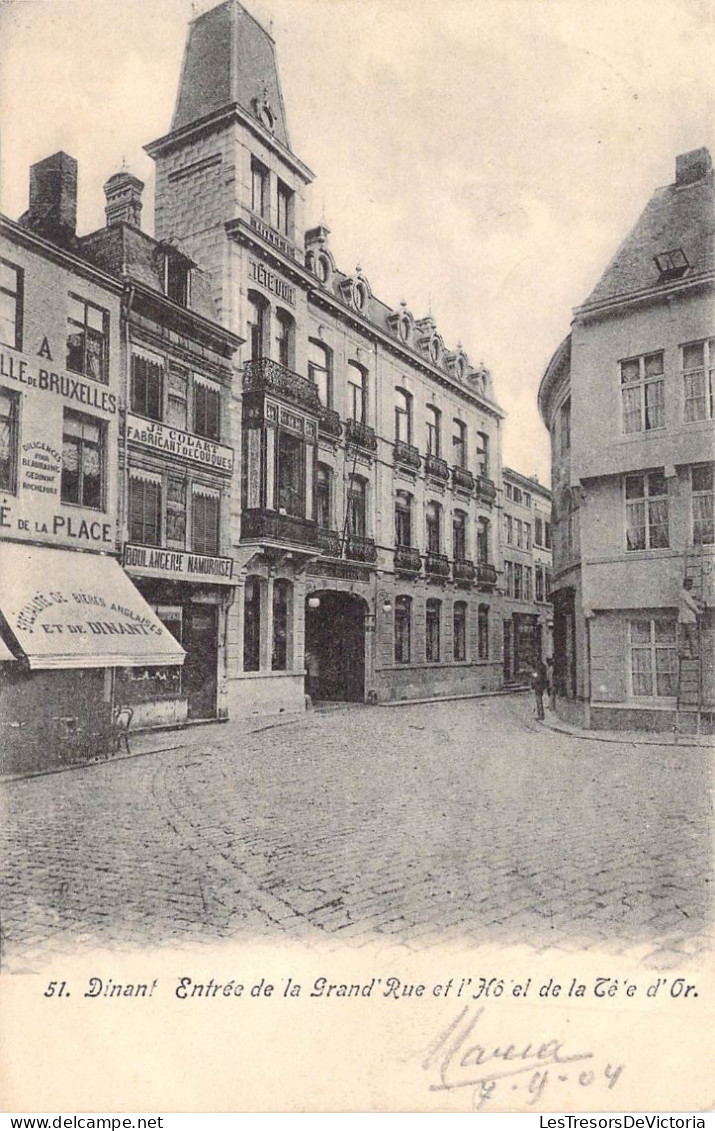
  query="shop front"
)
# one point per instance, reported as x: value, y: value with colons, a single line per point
x: 71, y: 623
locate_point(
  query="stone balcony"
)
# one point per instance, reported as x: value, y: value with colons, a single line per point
x: 406, y: 454
x: 486, y: 575
x: 407, y: 560
x: 436, y: 565
x: 259, y: 524
x: 436, y: 467
x: 360, y: 549
x: 462, y: 479
x: 486, y: 490
x: 362, y: 435
x: 464, y: 571
x: 266, y: 376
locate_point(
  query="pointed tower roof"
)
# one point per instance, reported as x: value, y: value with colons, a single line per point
x: 230, y: 59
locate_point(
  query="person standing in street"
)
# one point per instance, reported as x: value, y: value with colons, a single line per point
x: 539, y: 682
x: 689, y: 609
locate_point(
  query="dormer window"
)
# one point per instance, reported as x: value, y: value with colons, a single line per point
x: 176, y: 279
x: 435, y: 349
x: 360, y: 296
x: 671, y: 264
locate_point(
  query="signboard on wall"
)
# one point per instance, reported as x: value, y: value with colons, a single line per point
x: 158, y: 437
x: 177, y: 565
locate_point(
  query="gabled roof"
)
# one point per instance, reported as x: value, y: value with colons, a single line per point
x: 230, y: 59
x: 679, y: 217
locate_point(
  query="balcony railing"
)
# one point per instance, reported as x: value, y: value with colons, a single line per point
x: 259, y: 524
x: 329, y: 423
x: 407, y: 559
x: 486, y: 491
x: 436, y: 467
x: 486, y: 575
x: 463, y: 570
x: 360, y: 434
x: 329, y: 542
x: 436, y: 565
x: 360, y: 549
x: 270, y: 235
x: 406, y: 454
x: 462, y: 478
x: 266, y: 376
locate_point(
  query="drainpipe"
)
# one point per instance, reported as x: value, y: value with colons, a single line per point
x: 587, y: 670
x: 126, y: 307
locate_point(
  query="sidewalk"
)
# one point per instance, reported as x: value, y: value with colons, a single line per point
x: 633, y: 737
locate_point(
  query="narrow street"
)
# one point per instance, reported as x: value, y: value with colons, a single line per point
x: 460, y: 821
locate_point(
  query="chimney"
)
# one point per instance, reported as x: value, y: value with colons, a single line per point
x: 124, y: 199
x: 53, y: 198
x: 693, y: 166
x: 317, y: 237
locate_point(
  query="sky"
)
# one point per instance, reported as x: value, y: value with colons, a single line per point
x: 480, y: 159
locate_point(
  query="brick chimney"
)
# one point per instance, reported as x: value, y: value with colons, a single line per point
x: 53, y: 198
x: 693, y: 166
x: 124, y: 199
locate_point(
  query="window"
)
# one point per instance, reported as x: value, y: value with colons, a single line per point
x: 252, y: 625
x: 459, y: 536
x: 518, y: 581
x: 403, y: 417
x: 433, y: 521
x: 538, y: 532
x: 205, y: 507
x: 176, y: 488
x: 547, y: 584
x: 547, y: 535
x: 403, y: 519
x: 356, y: 516
x: 177, y: 277
x: 11, y: 283
x: 403, y: 629
x: 145, y: 508
x: 459, y: 444
x: 147, y: 391
x: 565, y: 421
x: 483, y: 455
x: 527, y: 535
x: 290, y: 474
x: 699, y: 379
x: 654, y: 658
x: 516, y: 495
x: 207, y: 409
x: 285, y: 333
x: 460, y: 630
x: 702, y: 489
x: 87, y: 337
x: 320, y: 370
x: 519, y: 529
x: 509, y: 490
x: 432, y: 626
x: 177, y: 401
x: 256, y: 326
x: 508, y: 530
x: 482, y: 541
x: 8, y: 440
x: 539, y: 579
x: 357, y: 389
x: 259, y: 187
x: 285, y: 209
x: 483, y: 632
x: 528, y: 586
x: 323, y: 493
x: 509, y: 578
x: 671, y: 264
x: 527, y: 499
x: 643, y: 393
x: 434, y: 440
x: 281, y: 595
x: 646, y: 511
x: 82, y: 460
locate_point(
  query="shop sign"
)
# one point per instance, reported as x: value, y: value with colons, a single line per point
x: 273, y: 283
x: 180, y: 565
x: 159, y: 437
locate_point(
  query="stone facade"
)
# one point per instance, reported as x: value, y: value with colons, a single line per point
x: 526, y: 576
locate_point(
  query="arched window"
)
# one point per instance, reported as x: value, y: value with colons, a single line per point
x: 282, y: 593
x: 356, y: 516
x: 432, y: 630
x: 403, y: 629
x: 483, y: 632
x: 357, y: 392
x: 252, y: 624
x: 403, y: 416
x: 320, y: 370
x: 434, y: 439
x: 403, y: 518
x: 433, y: 522
x: 284, y: 338
x: 460, y: 630
x: 256, y: 325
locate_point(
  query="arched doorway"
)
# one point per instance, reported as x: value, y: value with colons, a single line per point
x: 335, y: 646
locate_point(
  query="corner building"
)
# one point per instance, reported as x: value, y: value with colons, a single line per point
x: 370, y: 451
x: 628, y: 400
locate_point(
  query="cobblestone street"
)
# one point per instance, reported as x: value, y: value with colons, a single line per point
x: 460, y: 821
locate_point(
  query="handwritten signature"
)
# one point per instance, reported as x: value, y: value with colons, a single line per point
x: 465, y: 1059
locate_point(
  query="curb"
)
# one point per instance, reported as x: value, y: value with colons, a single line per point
x: 665, y: 739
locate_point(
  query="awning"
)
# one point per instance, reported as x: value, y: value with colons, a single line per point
x: 5, y: 654
x: 72, y: 610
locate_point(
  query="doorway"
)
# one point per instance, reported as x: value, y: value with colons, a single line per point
x: 335, y: 647
x: 201, y: 644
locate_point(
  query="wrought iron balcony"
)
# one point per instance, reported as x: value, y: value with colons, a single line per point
x: 360, y: 434
x: 329, y: 423
x: 436, y: 467
x: 462, y: 478
x: 329, y: 542
x: 407, y: 559
x: 436, y: 565
x: 486, y: 491
x: 258, y: 525
x: 406, y: 454
x: 266, y: 376
x: 486, y: 575
x: 360, y: 549
x: 463, y: 570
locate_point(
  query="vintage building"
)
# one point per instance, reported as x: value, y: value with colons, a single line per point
x: 628, y: 399
x: 526, y: 578
x: 370, y: 451
x: 70, y: 618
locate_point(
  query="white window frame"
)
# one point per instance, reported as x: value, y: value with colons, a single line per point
x: 707, y: 370
x: 654, y: 647
x: 644, y: 384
